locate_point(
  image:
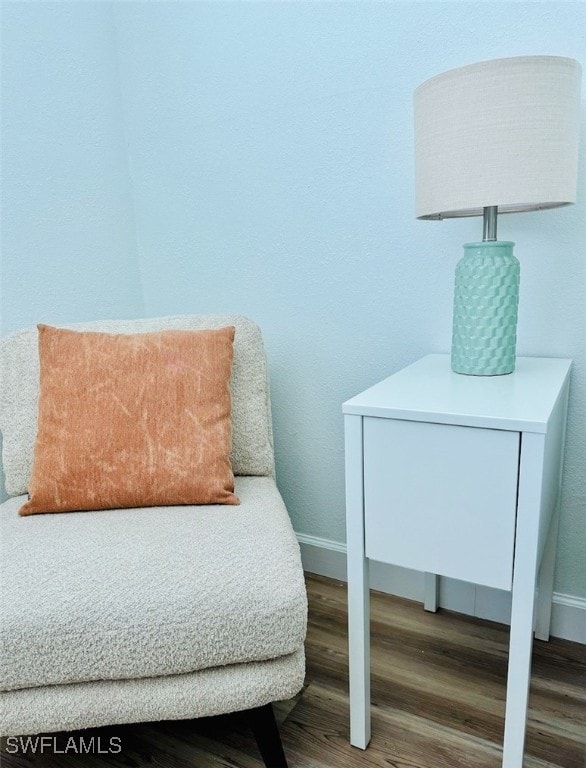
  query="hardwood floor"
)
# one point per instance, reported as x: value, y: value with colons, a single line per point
x: 438, y: 687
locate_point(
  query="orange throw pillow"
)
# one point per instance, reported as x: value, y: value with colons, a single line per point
x: 132, y: 420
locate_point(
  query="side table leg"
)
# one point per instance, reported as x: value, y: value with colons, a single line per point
x: 431, y: 592
x: 358, y: 587
x: 359, y: 653
x: 523, y: 602
x: 545, y: 580
x: 519, y: 674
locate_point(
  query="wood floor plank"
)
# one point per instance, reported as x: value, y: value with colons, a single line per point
x: 438, y: 692
x: 418, y: 665
x: 399, y: 739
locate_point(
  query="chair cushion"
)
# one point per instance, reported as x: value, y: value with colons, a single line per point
x: 134, y: 593
x: 132, y: 420
x: 171, y: 697
x: 252, y: 447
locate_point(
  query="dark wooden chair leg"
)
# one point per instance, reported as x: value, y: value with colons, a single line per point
x: 266, y: 732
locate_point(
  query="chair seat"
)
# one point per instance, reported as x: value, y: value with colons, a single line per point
x: 126, y: 594
x: 203, y: 693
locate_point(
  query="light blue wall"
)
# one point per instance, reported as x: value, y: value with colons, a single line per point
x: 271, y: 169
x: 273, y: 175
x: 68, y: 239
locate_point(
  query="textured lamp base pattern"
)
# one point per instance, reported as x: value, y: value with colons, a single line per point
x: 486, y: 299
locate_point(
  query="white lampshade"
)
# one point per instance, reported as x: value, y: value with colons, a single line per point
x: 497, y: 133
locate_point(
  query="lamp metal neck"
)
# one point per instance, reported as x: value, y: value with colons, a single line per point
x: 490, y: 214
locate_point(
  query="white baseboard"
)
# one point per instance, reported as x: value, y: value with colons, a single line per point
x: 328, y: 558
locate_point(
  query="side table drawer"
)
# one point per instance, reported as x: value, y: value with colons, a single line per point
x: 441, y: 498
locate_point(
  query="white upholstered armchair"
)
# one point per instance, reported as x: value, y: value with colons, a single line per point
x: 153, y: 613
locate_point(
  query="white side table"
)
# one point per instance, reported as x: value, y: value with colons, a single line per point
x: 457, y: 476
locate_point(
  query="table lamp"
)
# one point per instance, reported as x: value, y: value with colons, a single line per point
x: 494, y: 137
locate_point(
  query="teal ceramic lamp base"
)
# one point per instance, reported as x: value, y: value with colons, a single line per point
x: 486, y: 298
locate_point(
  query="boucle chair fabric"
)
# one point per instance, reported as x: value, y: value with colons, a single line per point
x: 133, y: 615
x: 252, y: 450
x: 172, y: 697
x: 132, y: 593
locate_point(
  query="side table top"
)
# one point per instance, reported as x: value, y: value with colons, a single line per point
x: 428, y: 390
